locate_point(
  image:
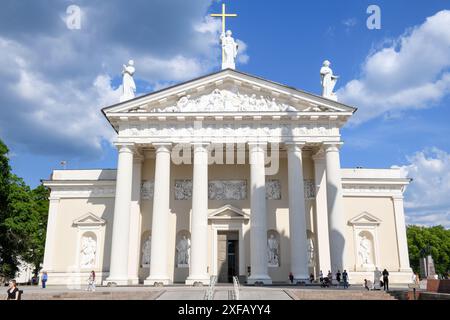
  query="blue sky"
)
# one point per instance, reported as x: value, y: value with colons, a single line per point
x: 54, y: 80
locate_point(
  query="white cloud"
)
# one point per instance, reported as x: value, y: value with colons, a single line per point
x: 427, y: 198
x: 55, y: 81
x: 350, y: 22
x: 242, y: 57
x: 411, y: 73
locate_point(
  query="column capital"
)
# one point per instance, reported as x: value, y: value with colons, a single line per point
x: 397, y: 197
x: 295, y: 146
x: 200, y: 144
x: 138, y: 156
x: 162, y: 146
x: 257, y: 146
x: 127, y: 147
x: 200, y: 147
x: 319, y: 155
x: 332, y: 146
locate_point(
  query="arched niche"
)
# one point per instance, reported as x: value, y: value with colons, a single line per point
x: 365, y: 240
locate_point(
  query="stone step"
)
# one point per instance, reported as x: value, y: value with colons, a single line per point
x: 151, y: 295
x: 339, y: 295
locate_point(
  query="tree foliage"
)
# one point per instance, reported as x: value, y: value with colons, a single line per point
x: 437, y: 239
x: 23, y: 220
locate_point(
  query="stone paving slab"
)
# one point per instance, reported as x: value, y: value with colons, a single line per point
x: 182, y: 295
x: 255, y: 294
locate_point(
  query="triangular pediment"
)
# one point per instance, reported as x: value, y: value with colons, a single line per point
x: 89, y: 219
x: 228, y: 212
x: 364, y: 218
x: 228, y: 91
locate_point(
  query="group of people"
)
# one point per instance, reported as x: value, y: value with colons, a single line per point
x: 383, y: 283
x: 341, y: 278
x: 14, y: 293
x: 91, y: 281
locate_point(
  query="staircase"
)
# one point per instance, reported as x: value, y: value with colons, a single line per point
x: 339, y: 295
x: 102, y: 295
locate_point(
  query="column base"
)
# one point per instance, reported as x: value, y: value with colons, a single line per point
x: 157, y: 281
x: 301, y: 278
x: 259, y: 279
x: 198, y: 280
x: 133, y: 281
x: 111, y: 282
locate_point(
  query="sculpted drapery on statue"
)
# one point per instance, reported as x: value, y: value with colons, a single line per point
x: 273, y: 252
x: 311, y: 255
x: 146, y: 252
x: 328, y: 81
x: 183, y: 249
x: 364, y: 250
x: 88, y: 252
x: 229, y: 49
x: 128, y: 85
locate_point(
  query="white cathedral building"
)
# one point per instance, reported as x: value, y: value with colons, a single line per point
x: 226, y: 175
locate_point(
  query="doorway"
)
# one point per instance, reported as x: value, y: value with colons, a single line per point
x: 227, y: 255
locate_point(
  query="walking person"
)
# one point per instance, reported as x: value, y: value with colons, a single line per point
x: 291, y: 277
x: 44, y: 279
x: 338, y: 277
x: 91, y: 282
x: 367, y: 284
x: 345, y: 279
x: 13, y: 293
x: 329, y: 278
x: 386, y: 280
x: 321, y: 276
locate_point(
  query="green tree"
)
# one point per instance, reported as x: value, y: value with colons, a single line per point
x: 40, y: 197
x: 438, y: 238
x: 23, y: 220
x: 8, y: 258
x: 27, y: 220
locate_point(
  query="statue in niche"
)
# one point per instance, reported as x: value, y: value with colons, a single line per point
x: 128, y: 85
x: 183, y: 249
x: 311, y: 256
x: 328, y: 81
x: 146, y: 252
x: 364, y: 250
x: 88, y: 252
x: 273, y: 251
x: 230, y: 50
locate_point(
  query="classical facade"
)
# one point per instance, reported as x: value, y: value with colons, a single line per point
x: 226, y: 175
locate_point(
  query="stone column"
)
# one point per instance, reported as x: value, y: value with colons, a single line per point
x: 258, y: 216
x: 323, y: 239
x: 297, y: 213
x: 198, y: 271
x: 401, y: 234
x: 118, y: 273
x: 159, y: 273
x: 135, y: 222
x: 336, y: 215
x: 50, y: 239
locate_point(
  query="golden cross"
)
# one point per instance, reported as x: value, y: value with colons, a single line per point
x: 224, y: 15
